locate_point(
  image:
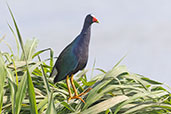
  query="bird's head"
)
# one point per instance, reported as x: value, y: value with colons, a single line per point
x: 91, y: 19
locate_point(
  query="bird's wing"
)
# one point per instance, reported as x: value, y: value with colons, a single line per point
x: 66, y: 63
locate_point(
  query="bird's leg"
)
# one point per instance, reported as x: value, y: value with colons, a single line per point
x: 75, y: 90
x: 69, y: 90
x: 73, y: 85
x: 85, y: 92
x: 76, y: 96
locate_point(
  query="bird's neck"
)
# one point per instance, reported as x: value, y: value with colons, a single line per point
x: 86, y: 28
x: 82, y: 41
x: 86, y: 31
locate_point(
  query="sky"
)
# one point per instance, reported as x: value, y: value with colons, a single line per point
x: 139, y: 29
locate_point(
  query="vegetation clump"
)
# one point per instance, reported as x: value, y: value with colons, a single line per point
x: 25, y: 87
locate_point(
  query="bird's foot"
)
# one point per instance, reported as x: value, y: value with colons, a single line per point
x: 78, y: 96
x: 85, y: 92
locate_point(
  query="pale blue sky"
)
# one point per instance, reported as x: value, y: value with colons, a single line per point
x: 138, y: 28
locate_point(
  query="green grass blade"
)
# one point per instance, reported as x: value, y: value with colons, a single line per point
x: 94, y: 94
x: 18, y: 46
x: 21, y: 93
x: 13, y: 89
x: 103, y: 106
x: 29, y: 48
x: 68, y: 106
x: 119, y: 61
x: 140, y: 107
x: 150, y: 81
x: 39, y: 52
x: 13, y: 62
x: 51, y: 58
x: 1, y: 39
x: 22, y: 88
x: 51, y: 107
x: 2, y: 80
x: 45, y: 79
x: 42, y: 103
x: 8, y: 58
x: 99, y: 69
x: 44, y: 50
x: 33, y: 107
x: 32, y: 99
x: 18, y: 32
x: 154, y: 94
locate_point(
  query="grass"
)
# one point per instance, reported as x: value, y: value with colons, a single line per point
x: 25, y: 86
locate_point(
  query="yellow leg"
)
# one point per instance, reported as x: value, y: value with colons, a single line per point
x: 85, y: 92
x: 69, y: 90
x: 76, y: 96
x: 75, y: 90
x: 72, y: 83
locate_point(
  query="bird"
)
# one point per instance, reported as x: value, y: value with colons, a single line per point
x: 74, y: 57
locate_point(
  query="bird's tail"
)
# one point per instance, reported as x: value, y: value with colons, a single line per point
x: 54, y: 72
